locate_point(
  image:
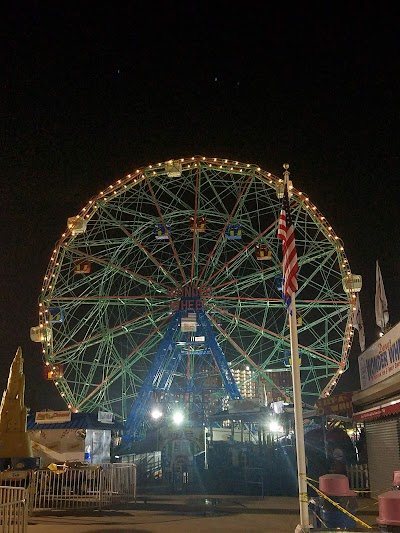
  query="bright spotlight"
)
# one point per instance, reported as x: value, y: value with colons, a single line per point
x: 274, y: 427
x: 156, y: 414
x: 177, y: 418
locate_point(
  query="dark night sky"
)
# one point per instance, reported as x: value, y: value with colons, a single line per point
x: 88, y: 93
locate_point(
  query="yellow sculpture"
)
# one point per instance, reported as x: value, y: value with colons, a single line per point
x: 14, y: 439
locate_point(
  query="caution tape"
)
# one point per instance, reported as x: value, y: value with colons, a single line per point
x: 335, y: 504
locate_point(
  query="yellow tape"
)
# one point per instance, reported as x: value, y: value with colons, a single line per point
x: 303, y: 497
x: 345, y: 511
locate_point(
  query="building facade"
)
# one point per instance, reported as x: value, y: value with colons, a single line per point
x: 377, y: 405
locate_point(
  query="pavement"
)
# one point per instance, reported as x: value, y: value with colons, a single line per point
x: 191, y: 514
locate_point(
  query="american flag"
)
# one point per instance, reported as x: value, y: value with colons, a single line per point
x: 286, y: 233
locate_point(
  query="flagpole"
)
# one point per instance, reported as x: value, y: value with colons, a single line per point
x: 304, y: 526
x: 298, y: 421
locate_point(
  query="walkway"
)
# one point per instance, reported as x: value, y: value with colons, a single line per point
x: 190, y: 514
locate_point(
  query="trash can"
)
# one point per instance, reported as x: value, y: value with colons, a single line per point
x: 326, y: 515
x: 396, y: 480
x: 389, y: 511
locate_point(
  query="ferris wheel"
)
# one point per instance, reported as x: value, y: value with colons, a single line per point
x: 174, y: 273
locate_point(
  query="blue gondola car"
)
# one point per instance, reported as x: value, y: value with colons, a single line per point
x: 287, y: 358
x: 233, y: 232
x: 55, y: 315
x: 162, y: 231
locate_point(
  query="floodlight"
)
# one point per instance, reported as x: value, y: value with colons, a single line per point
x: 274, y: 426
x: 178, y: 418
x: 156, y: 414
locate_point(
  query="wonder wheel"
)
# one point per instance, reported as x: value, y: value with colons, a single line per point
x: 169, y: 281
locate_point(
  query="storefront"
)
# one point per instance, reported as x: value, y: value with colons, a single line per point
x: 377, y: 405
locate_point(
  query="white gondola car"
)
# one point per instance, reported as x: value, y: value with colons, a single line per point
x: 352, y: 283
x: 173, y: 169
x: 77, y: 225
x: 39, y: 334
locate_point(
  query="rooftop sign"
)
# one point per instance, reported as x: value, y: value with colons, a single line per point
x: 381, y: 360
x: 52, y: 417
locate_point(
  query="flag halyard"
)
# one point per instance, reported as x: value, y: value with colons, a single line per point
x: 286, y: 234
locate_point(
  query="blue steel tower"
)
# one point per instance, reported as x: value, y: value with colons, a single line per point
x: 186, y: 358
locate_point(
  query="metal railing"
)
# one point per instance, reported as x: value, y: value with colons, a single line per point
x: 96, y: 487
x: 13, y: 509
x: 119, y: 483
x: 359, y: 479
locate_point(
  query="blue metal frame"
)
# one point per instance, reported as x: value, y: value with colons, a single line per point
x: 170, y: 356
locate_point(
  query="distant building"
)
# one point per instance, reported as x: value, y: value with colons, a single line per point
x: 244, y: 378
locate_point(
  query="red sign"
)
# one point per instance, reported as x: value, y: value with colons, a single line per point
x: 340, y: 404
x: 377, y: 412
x: 51, y: 417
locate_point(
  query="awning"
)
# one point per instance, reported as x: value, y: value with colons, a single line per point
x: 379, y: 411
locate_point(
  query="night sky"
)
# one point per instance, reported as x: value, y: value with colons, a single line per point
x: 89, y: 93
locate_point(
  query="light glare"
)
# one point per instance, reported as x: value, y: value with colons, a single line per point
x: 177, y: 418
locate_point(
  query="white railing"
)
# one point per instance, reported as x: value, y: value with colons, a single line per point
x: 96, y: 486
x: 13, y: 510
x: 359, y: 479
x: 119, y: 483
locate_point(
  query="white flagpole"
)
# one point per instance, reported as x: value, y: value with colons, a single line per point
x: 298, y: 421
x: 304, y: 526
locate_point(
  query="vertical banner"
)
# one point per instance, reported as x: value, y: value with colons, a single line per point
x: 381, y: 305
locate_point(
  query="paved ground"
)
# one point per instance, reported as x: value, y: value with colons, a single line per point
x: 191, y: 514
